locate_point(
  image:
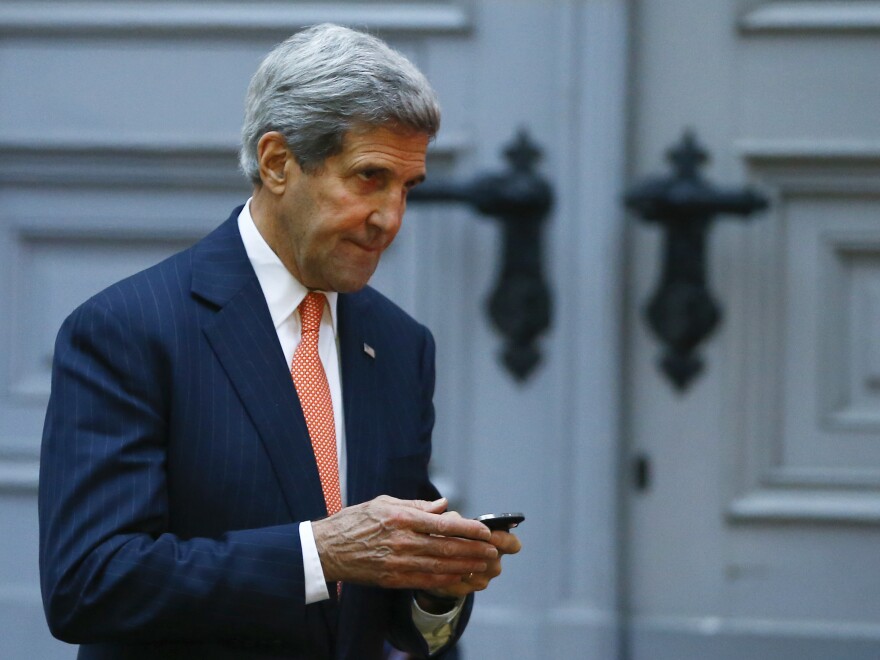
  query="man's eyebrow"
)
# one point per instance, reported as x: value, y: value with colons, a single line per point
x: 371, y: 167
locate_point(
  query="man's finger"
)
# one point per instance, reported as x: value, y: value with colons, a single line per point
x: 452, y: 526
x: 506, y: 542
x: 437, y: 506
x: 450, y: 570
x: 447, y: 546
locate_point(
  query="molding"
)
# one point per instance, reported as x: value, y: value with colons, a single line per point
x: 138, y: 229
x: 715, y: 625
x: 19, y: 474
x: 817, y: 506
x: 812, y: 17
x: 140, y: 163
x: 31, y: 364
x: 147, y: 161
x: 822, y: 478
x: 17, y: 595
x: 235, y: 20
x: 840, y: 406
x: 448, y: 143
x: 852, y: 420
x: 818, y: 166
x: 757, y: 150
x: 761, y: 488
x: 134, y: 164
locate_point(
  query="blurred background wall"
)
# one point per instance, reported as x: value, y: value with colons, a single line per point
x: 752, y: 530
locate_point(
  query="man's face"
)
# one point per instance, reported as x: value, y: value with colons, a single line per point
x: 334, y: 224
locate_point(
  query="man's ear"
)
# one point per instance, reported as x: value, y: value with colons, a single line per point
x: 274, y: 159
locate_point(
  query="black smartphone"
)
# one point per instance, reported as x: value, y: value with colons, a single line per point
x: 503, y: 521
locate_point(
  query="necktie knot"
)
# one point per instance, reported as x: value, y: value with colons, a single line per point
x: 311, y: 309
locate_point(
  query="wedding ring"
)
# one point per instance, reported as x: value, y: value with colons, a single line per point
x: 468, y: 578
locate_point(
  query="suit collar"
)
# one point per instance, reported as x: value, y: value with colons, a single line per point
x: 220, y: 267
x: 243, y: 337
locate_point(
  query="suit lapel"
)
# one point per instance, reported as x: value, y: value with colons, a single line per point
x: 360, y: 395
x: 243, y: 337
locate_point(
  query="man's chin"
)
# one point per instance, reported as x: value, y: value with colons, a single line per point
x: 350, y: 282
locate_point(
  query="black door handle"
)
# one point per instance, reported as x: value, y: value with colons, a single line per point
x: 682, y: 311
x: 520, y: 303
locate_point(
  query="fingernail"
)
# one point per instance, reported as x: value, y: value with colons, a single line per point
x: 491, y: 553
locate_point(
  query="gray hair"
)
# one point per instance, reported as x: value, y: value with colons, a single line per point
x: 323, y: 82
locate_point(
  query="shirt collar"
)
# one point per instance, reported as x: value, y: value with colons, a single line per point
x: 282, y: 291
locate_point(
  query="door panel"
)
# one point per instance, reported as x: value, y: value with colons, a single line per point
x: 119, y: 128
x: 756, y: 537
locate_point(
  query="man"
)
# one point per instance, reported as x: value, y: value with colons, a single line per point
x: 212, y: 417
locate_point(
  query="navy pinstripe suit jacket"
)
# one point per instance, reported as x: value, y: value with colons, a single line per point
x: 176, y: 464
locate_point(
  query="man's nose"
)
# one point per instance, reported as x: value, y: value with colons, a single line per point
x: 389, y: 213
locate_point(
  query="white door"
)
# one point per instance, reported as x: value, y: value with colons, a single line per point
x: 118, y: 134
x: 757, y: 533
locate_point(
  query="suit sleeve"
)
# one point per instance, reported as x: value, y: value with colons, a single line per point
x: 109, y: 569
x: 404, y: 635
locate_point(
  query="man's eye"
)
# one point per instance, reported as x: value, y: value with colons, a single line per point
x: 368, y: 175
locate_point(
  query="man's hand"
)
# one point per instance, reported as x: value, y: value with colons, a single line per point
x: 505, y: 542
x: 403, y: 544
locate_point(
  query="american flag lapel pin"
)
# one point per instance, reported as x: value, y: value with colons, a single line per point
x: 369, y: 350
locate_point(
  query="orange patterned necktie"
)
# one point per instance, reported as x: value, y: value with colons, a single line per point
x: 311, y: 385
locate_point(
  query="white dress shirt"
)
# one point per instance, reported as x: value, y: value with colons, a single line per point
x: 283, y: 295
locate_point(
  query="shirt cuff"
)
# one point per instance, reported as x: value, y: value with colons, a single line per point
x: 316, y: 586
x: 437, y: 629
